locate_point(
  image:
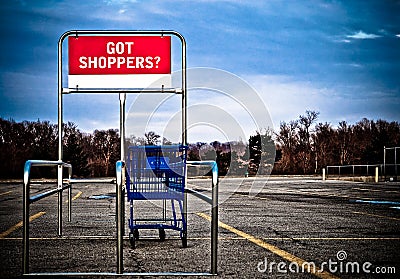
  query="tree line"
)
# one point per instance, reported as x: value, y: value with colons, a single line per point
x: 90, y: 154
x: 304, y: 146
x: 94, y: 154
x: 301, y: 146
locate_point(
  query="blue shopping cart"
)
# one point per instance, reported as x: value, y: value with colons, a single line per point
x: 157, y: 173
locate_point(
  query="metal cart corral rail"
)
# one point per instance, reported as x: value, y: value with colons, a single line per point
x: 157, y: 173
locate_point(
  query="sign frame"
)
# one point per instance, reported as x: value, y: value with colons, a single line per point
x: 129, y: 61
x: 182, y: 90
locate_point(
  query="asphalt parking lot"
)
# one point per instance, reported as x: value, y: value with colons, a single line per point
x: 281, y: 227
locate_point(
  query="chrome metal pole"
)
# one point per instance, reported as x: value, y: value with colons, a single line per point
x: 120, y: 257
x: 395, y: 161
x: 69, y: 203
x: 60, y: 136
x: 25, y: 218
x: 60, y: 194
x: 384, y: 162
x: 184, y: 93
x: 184, y: 120
x: 214, y: 220
x: 60, y: 98
x: 122, y: 101
x: 69, y: 194
x: 214, y: 210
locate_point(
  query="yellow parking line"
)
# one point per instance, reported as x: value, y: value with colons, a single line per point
x: 281, y: 253
x: 19, y: 224
x: 75, y: 197
x: 332, y: 238
x: 375, y: 215
x: 5, y: 193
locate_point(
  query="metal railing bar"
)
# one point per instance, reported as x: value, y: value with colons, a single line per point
x: 199, y: 195
x: 156, y: 220
x: 342, y: 166
x: 47, y: 163
x: 213, y: 166
x: 90, y: 180
x: 27, y: 200
x: 48, y: 193
x: 122, y: 90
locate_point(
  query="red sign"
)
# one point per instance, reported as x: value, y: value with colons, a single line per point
x: 119, y: 55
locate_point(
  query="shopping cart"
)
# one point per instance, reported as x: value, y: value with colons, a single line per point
x: 157, y: 173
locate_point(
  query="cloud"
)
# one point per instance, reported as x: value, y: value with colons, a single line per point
x: 398, y: 35
x: 119, y: 2
x: 360, y: 35
x: 343, y: 41
x: 286, y: 98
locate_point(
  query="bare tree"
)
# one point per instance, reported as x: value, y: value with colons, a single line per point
x: 344, y: 139
x: 288, y: 141
x: 152, y: 138
x: 305, y: 149
x: 74, y: 152
x: 324, y: 141
x: 105, y: 152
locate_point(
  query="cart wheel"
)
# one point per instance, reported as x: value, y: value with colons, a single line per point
x: 132, y: 240
x: 136, y: 234
x: 184, y: 239
x: 161, y: 233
